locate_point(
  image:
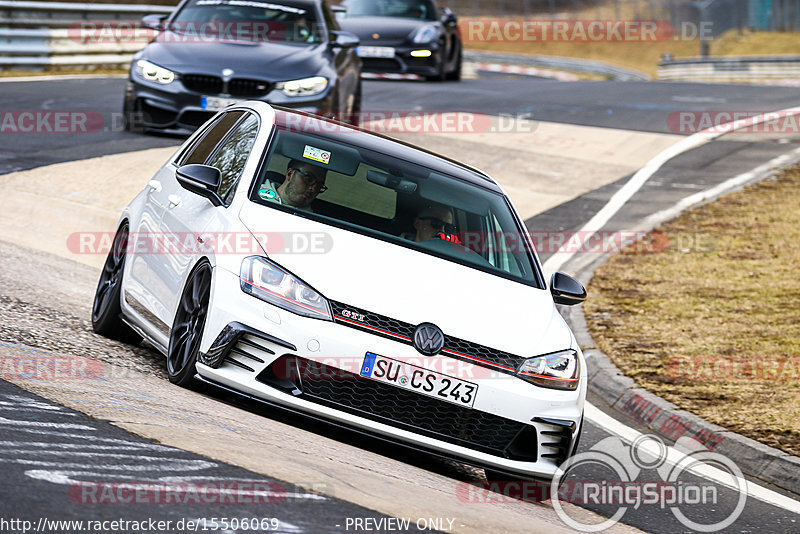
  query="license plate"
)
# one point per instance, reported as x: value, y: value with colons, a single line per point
x: 375, y: 51
x: 215, y: 103
x: 423, y: 381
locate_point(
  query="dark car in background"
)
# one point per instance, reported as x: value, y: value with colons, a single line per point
x: 209, y: 54
x: 405, y: 37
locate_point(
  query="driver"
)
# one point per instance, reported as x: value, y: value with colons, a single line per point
x: 435, y: 221
x: 301, y: 186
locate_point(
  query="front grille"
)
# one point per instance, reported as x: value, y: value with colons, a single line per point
x: 403, y: 332
x: 202, y: 83
x: 245, y: 88
x: 381, y: 65
x: 403, y: 409
x: 214, y: 85
x: 157, y: 116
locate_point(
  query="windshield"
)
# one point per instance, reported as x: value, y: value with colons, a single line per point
x: 248, y: 20
x: 402, y: 202
x: 408, y: 9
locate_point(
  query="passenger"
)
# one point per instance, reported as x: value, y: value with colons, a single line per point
x: 434, y: 221
x: 301, y: 186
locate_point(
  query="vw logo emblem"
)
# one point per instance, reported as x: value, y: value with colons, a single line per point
x: 428, y: 339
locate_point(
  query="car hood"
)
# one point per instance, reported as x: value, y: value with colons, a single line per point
x: 390, y: 29
x: 413, y: 287
x: 264, y: 60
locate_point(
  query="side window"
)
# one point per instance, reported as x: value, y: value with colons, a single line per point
x: 202, y: 148
x: 232, y: 155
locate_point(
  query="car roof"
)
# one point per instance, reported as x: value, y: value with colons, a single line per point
x: 396, y: 148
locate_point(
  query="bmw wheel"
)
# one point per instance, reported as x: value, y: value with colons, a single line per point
x: 187, y: 329
x: 106, y: 309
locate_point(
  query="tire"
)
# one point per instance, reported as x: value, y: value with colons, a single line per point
x: 441, y: 74
x: 106, y: 308
x: 187, y: 328
x: 133, y: 119
x: 455, y: 74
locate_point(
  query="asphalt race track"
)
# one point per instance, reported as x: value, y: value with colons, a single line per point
x: 58, y: 461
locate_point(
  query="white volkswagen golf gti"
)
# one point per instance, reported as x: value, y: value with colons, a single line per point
x: 354, y: 278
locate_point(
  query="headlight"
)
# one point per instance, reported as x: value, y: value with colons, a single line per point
x: 558, y: 370
x: 270, y: 282
x: 426, y: 34
x: 304, y: 87
x: 154, y: 73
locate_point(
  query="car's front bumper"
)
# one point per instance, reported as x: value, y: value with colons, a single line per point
x: 404, y: 63
x: 173, y: 106
x: 513, y: 426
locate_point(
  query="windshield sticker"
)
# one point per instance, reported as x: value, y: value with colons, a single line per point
x: 323, y: 156
x: 250, y: 3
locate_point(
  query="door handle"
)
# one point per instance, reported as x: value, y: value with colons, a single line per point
x: 174, y: 201
x: 155, y: 186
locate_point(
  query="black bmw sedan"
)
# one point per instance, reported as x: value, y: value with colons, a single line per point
x: 209, y: 54
x: 405, y: 36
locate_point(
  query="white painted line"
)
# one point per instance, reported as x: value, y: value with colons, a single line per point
x: 675, y: 457
x: 39, y: 424
x: 732, y: 183
x: 664, y: 215
x: 637, y: 181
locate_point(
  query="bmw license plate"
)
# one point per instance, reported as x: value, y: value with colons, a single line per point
x: 375, y: 51
x: 419, y: 379
x: 215, y: 103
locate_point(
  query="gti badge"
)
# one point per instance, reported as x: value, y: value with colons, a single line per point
x: 428, y: 339
x: 353, y: 315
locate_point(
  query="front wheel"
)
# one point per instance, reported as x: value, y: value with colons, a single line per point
x: 187, y: 329
x: 455, y: 74
x: 106, y: 308
x: 441, y: 71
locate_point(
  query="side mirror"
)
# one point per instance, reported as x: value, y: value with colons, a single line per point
x: 344, y: 39
x: 566, y: 290
x: 202, y: 180
x: 448, y: 17
x: 154, y: 22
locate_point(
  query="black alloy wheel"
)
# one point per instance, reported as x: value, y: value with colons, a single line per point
x: 187, y: 329
x: 106, y: 308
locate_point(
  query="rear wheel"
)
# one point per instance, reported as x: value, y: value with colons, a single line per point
x: 187, y: 329
x: 106, y: 309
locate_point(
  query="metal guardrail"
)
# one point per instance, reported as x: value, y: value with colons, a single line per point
x: 42, y: 34
x: 563, y: 63
x: 730, y: 69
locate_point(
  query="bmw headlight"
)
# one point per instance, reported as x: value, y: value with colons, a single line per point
x: 425, y: 34
x: 270, y: 282
x: 154, y: 73
x: 559, y: 370
x: 303, y: 87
